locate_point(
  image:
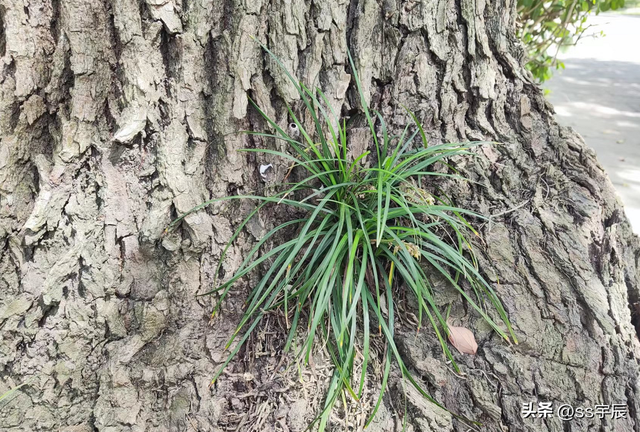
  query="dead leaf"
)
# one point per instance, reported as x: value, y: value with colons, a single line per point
x: 463, y: 340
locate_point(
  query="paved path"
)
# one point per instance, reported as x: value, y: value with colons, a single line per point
x: 598, y: 94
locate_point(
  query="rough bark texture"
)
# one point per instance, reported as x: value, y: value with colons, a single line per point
x: 116, y: 116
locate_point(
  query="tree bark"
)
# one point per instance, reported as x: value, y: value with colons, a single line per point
x: 118, y: 115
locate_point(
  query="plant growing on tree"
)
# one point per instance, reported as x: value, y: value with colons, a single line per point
x: 552, y: 25
x: 10, y: 392
x: 367, y: 231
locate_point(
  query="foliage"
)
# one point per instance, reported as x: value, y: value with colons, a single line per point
x: 367, y: 231
x: 548, y: 26
x: 10, y: 392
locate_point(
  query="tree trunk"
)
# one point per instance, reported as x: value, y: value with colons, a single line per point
x: 118, y: 115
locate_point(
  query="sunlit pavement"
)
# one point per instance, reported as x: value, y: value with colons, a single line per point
x: 598, y: 94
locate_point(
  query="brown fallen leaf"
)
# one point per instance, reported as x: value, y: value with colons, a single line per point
x: 463, y: 340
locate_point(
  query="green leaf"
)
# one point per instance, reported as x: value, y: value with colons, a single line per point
x: 358, y: 236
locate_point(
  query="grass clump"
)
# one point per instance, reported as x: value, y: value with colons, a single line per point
x: 366, y: 230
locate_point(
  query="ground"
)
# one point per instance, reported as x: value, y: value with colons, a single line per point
x: 598, y: 94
